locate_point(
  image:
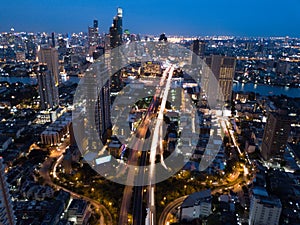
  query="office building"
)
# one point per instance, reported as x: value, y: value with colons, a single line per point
x: 48, y: 91
x: 264, y: 209
x: 223, y: 68
x: 275, y: 136
x: 6, y: 208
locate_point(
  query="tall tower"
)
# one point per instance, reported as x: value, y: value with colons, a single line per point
x: 95, y: 23
x: 195, y: 49
x: 103, y: 114
x: 198, y: 48
x: 120, y: 22
x: 6, y: 209
x: 53, y: 40
x: 103, y: 104
x: 223, y: 67
x: 275, y: 136
x: 116, y: 30
x: 93, y: 34
x: 49, y: 56
x: 47, y: 89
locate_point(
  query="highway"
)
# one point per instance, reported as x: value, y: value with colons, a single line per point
x: 142, y: 143
x: 156, y: 142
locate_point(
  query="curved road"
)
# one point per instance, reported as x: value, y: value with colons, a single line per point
x: 104, y: 213
x: 163, y: 219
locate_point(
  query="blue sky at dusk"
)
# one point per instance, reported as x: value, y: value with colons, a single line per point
x: 197, y: 17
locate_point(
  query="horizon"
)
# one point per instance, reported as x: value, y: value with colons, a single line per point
x: 238, y: 19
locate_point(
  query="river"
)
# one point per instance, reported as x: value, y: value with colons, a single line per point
x: 265, y: 90
x: 33, y: 81
x: 261, y: 89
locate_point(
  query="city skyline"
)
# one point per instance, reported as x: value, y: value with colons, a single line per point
x: 268, y: 18
x: 173, y: 113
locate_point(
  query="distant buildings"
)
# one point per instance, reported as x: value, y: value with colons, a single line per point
x: 264, y: 209
x: 6, y: 209
x: 275, y: 136
x: 223, y: 68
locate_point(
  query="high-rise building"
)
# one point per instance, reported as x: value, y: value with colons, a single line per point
x: 264, y: 209
x: 103, y: 114
x: 6, y: 208
x: 223, y: 68
x: 95, y: 24
x: 198, y: 48
x: 53, y: 40
x: 275, y: 136
x: 116, y: 30
x: 31, y: 47
x: 101, y: 104
x: 93, y: 34
x: 49, y: 56
x: 120, y: 22
x: 47, y: 89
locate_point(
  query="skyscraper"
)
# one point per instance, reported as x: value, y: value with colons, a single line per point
x: 116, y: 30
x: 48, y: 81
x: 275, y: 136
x: 6, y: 209
x: 93, y: 34
x: 103, y: 120
x: 47, y: 89
x: 49, y: 56
x: 102, y: 104
x: 120, y: 22
x: 53, y: 40
x: 198, y: 48
x: 223, y: 68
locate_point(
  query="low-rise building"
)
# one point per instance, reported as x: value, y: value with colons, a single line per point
x: 196, y: 205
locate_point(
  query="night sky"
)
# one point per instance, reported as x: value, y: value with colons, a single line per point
x: 182, y: 17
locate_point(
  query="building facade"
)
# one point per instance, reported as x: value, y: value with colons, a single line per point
x: 275, y: 136
x: 223, y: 68
x: 48, y: 90
x: 49, y: 56
x: 264, y: 209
